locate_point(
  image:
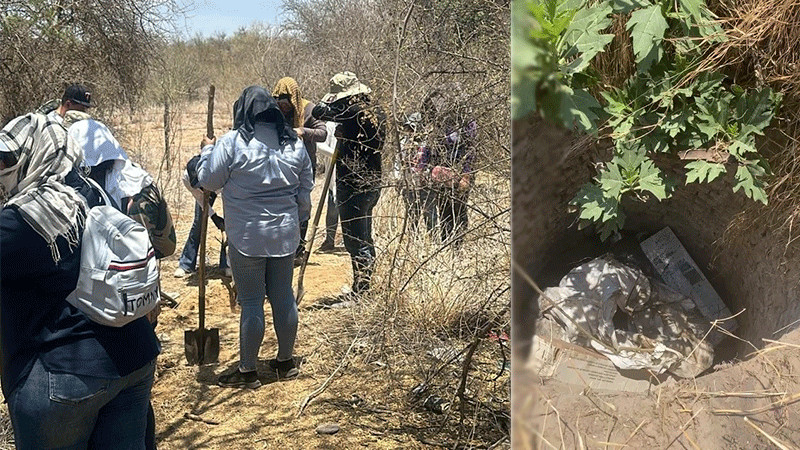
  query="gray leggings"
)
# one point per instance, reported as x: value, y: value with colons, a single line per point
x: 255, y: 278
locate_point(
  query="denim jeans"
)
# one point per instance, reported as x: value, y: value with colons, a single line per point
x: 355, y: 211
x: 75, y: 411
x: 188, y: 259
x: 255, y: 278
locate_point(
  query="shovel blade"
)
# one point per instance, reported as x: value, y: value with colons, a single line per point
x: 201, y: 346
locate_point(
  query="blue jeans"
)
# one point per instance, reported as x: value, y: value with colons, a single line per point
x: 355, y: 211
x: 79, y: 411
x: 188, y: 259
x: 257, y: 277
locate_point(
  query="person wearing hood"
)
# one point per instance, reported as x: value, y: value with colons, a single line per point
x: 297, y: 111
x: 128, y: 185
x: 134, y: 193
x: 266, y: 178
x: 360, y: 136
x: 69, y: 382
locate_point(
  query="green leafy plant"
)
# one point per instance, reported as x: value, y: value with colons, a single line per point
x: 668, y: 106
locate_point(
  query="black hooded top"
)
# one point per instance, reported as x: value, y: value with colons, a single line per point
x: 257, y: 105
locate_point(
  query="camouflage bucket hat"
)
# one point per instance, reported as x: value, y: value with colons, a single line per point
x: 344, y: 84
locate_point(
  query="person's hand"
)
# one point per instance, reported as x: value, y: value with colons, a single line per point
x: 218, y: 221
x: 442, y: 175
x: 464, y: 183
x: 299, y: 132
x: 152, y: 316
x: 208, y: 141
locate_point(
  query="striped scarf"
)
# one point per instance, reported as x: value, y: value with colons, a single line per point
x: 37, y: 189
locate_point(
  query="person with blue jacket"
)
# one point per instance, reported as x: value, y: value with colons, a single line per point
x: 68, y: 381
x: 266, y: 179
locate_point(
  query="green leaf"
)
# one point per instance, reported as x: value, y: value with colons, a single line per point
x: 529, y: 62
x: 703, y: 171
x: 703, y: 19
x: 612, y: 181
x: 651, y: 180
x: 600, y: 208
x: 582, y: 40
x: 647, y: 27
x: 578, y: 109
x: 626, y: 6
x: 740, y: 148
x: 748, y: 178
x: 754, y: 111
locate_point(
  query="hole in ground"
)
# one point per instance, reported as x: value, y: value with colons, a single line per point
x: 750, y: 266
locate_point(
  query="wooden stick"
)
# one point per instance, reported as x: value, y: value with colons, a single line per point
x: 196, y: 418
x: 735, y: 412
x: 766, y: 435
x: 322, y: 388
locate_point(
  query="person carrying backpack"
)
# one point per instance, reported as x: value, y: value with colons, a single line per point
x: 68, y: 381
x: 129, y: 186
x: 134, y: 193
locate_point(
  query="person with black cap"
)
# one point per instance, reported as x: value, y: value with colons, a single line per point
x: 265, y: 175
x: 72, y: 107
x: 360, y: 136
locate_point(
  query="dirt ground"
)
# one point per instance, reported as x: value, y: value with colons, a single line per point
x: 343, y: 377
x: 752, y: 404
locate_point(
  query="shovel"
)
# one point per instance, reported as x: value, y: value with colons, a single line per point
x: 317, y: 214
x: 201, y: 345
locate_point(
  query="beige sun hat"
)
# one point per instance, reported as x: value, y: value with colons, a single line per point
x: 344, y: 84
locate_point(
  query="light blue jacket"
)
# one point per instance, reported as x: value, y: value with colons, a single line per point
x: 266, y: 189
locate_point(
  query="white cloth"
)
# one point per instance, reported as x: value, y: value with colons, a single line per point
x: 664, y: 329
x: 97, y: 142
x: 325, y: 150
x: 125, y: 178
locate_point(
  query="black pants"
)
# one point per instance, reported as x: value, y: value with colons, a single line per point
x: 420, y: 203
x: 451, y: 206
x: 355, y: 211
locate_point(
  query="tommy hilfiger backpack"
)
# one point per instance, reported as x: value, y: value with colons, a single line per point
x: 118, y: 280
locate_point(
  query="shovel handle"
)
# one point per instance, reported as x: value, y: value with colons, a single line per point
x: 317, y: 214
x: 201, y: 270
x: 210, y: 117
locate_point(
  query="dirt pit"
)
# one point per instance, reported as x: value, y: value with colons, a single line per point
x: 744, y: 400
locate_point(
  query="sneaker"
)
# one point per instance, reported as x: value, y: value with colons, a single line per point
x: 326, y: 246
x: 180, y: 272
x: 286, y: 369
x: 240, y: 379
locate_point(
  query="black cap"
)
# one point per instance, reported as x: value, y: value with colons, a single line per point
x: 77, y: 93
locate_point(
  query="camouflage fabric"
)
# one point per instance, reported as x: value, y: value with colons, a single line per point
x: 150, y: 209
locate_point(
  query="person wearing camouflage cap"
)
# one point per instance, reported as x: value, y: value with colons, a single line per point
x: 360, y: 137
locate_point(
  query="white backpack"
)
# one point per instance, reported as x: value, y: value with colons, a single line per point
x: 118, y: 280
